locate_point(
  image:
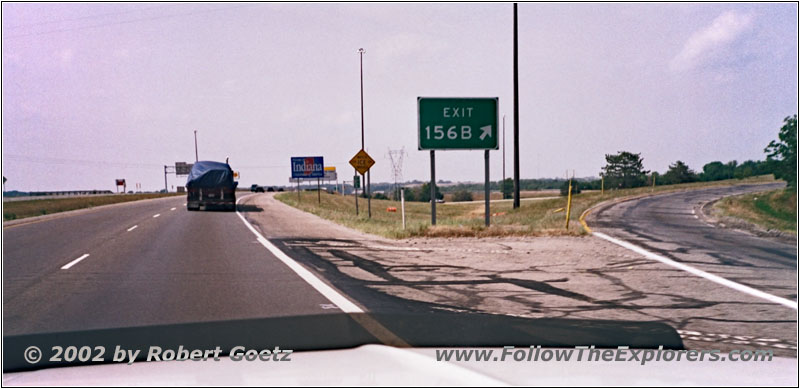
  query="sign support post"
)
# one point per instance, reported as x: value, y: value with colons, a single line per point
x: 298, y: 191
x: 355, y: 190
x: 319, y: 196
x: 433, y: 187
x: 486, y: 185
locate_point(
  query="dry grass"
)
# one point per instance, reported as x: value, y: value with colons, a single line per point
x: 533, y: 218
x: 773, y: 210
x: 13, y: 210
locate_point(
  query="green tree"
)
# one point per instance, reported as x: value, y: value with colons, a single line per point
x: 678, y: 173
x: 715, y: 171
x: 576, y: 188
x: 424, y: 193
x: 783, y: 152
x: 624, y: 170
x: 507, y: 187
x: 462, y: 195
x: 410, y: 194
x: 746, y: 169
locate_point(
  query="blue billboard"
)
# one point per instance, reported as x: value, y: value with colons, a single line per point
x: 308, y: 167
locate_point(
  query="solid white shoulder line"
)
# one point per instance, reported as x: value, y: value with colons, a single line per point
x: 335, y: 297
x: 700, y: 273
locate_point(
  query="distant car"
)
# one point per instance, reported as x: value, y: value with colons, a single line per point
x: 270, y: 189
x: 280, y: 189
x: 256, y: 188
x: 439, y: 201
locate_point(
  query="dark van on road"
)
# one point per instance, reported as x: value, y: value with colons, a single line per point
x: 211, y: 185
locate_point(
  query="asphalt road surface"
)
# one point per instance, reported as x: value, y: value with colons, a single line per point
x: 672, y: 225
x: 154, y: 262
x: 150, y: 262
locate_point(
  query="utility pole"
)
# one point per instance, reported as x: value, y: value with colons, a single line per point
x: 195, y: 146
x: 516, y: 111
x: 361, y: 52
x: 166, y: 190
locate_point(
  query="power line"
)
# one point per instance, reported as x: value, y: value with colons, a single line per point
x: 69, y: 161
x: 125, y: 22
x: 93, y: 16
x: 396, y: 159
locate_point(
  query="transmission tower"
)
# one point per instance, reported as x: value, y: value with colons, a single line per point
x: 396, y: 158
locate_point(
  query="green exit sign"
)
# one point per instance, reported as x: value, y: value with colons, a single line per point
x: 456, y: 123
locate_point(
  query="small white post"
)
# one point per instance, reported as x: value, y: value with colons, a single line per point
x: 403, y: 206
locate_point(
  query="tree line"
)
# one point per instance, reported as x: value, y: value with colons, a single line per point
x: 625, y: 170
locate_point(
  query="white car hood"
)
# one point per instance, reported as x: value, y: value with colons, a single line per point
x: 377, y: 365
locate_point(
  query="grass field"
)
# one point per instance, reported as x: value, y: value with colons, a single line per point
x: 13, y: 210
x: 774, y: 210
x: 534, y: 217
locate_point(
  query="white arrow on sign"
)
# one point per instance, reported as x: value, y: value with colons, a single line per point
x: 487, y: 131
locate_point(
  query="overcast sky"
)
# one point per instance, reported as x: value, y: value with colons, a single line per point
x: 94, y: 92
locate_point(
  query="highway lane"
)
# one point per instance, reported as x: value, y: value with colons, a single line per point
x: 672, y: 225
x: 176, y: 267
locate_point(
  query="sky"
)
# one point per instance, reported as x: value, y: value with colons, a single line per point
x: 96, y: 92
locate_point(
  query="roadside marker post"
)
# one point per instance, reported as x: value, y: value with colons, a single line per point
x: 602, y: 185
x: 569, y: 202
x: 458, y: 123
x: 403, y: 206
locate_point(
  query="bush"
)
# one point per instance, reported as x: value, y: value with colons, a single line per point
x: 462, y: 195
x: 575, y: 188
x: 380, y: 196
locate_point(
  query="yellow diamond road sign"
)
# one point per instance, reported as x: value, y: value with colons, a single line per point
x: 362, y: 161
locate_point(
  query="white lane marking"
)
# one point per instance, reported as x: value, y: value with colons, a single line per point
x: 132, y: 228
x: 71, y: 264
x: 692, y: 211
x: 184, y: 204
x: 335, y: 297
x: 172, y: 209
x: 711, y: 277
x: 695, y: 216
x: 157, y: 215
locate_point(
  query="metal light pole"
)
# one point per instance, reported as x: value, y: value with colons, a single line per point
x: 361, y: 52
x: 195, y: 146
x: 516, y: 112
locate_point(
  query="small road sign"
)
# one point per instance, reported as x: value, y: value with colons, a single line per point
x: 362, y: 161
x: 183, y: 168
x: 456, y: 123
x: 307, y: 167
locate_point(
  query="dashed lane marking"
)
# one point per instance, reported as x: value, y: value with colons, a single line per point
x: 71, y: 264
